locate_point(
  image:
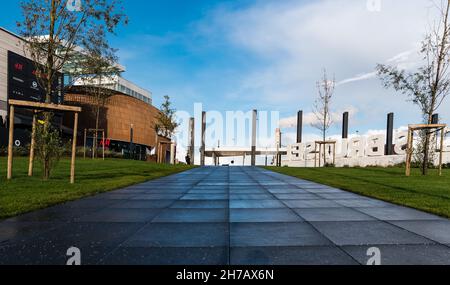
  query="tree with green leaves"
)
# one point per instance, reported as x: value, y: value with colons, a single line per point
x: 166, y: 121
x: 429, y: 85
x: 55, y: 34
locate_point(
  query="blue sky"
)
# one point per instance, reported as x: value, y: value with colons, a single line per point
x: 268, y: 54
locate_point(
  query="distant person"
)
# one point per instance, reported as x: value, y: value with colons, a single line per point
x: 188, y: 160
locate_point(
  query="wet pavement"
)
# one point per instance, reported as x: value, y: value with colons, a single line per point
x: 221, y: 216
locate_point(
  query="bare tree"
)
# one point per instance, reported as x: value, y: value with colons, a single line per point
x: 321, y: 110
x: 429, y: 85
x: 54, y: 33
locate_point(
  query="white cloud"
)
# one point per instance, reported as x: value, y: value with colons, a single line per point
x: 310, y: 118
x: 294, y: 40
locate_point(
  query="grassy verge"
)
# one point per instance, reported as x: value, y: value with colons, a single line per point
x: 430, y: 193
x: 24, y: 194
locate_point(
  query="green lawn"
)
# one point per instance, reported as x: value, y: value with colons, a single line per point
x: 24, y: 194
x: 431, y: 193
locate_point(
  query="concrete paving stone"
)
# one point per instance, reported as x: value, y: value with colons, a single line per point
x: 111, y: 215
x: 251, y: 197
x: 438, y: 231
x: 205, y: 197
x: 157, y: 197
x: 297, y: 196
x: 113, y: 196
x: 332, y: 214
x: 287, y: 191
x: 263, y: 216
x: 91, y: 203
x: 397, y: 213
x: 208, y: 192
x: 192, y: 215
x: 363, y: 203
x: 247, y: 191
x: 340, y: 196
x: 200, y: 204
x: 302, y: 204
x: 275, y: 234
x: 168, y: 256
x: 10, y: 231
x: 53, y: 214
x: 403, y: 254
x: 323, y: 191
x: 305, y: 255
x: 367, y: 233
x: 256, y: 204
x: 181, y: 235
x: 143, y: 204
x: 46, y: 254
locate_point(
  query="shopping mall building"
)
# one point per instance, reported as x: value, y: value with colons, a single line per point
x: 127, y: 115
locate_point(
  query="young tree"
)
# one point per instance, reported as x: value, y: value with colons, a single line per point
x: 321, y: 109
x: 429, y: 85
x: 166, y: 124
x: 99, y: 68
x: 54, y: 33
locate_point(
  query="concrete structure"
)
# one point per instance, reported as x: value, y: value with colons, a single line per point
x: 359, y: 151
x: 254, y: 134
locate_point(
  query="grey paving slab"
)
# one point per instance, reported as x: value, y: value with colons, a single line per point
x: 121, y: 216
x: 221, y: 216
x: 181, y: 235
x: 398, y: 214
x: 192, y: 216
x: 263, y: 216
x: 304, y: 255
x: 200, y: 204
x: 366, y: 233
x: 256, y: 204
x: 332, y: 215
x: 438, y: 231
x: 298, y: 204
x: 143, y: 204
x: 275, y: 234
x: 403, y: 254
x: 168, y: 256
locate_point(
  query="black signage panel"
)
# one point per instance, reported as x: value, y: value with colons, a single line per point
x: 24, y: 85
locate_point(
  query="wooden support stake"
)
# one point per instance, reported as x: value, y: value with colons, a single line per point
x: 441, y: 154
x: 74, y: 150
x: 85, y: 141
x: 103, y: 138
x: 10, y: 142
x: 32, y: 146
x: 409, y: 152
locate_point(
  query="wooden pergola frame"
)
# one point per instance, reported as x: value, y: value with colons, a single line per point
x: 410, y: 143
x: 324, y: 144
x: 85, y: 141
x: 39, y: 107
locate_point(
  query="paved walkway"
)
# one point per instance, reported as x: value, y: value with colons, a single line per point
x: 226, y: 216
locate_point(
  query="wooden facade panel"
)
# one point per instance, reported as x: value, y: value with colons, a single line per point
x: 119, y: 114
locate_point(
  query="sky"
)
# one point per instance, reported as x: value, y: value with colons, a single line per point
x: 268, y: 55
